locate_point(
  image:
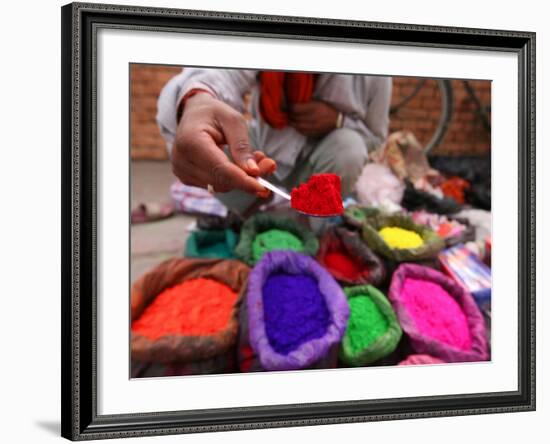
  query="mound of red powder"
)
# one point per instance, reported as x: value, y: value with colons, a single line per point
x: 321, y: 195
x: 197, y: 307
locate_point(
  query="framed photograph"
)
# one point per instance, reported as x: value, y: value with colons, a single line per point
x: 274, y: 221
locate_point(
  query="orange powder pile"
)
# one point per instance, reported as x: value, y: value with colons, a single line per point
x: 196, y: 307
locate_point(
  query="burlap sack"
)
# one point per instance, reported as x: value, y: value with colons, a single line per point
x: 248, y: 360
x: 356, y: 215
x: 309, y: 353
x: 199, y: 244
x: 420, y: 342
x: 348, y: 242
x: 431, y: 245
x: 180, y: 348
x: 264, y: 222
x: 385, y: 344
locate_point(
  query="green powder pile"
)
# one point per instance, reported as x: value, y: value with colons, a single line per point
x: 274, y: 240
x: 366, y: 323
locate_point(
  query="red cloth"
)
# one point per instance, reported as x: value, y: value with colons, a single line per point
x: 280, y: 89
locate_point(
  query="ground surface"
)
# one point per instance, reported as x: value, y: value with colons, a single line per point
x: 151, y: 243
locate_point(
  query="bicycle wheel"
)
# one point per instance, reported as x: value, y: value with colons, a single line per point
x: 446, y: 93
x: 426, y: 110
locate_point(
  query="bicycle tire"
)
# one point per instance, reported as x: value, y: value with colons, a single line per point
x: 447, y: 105
x: 447, y: 102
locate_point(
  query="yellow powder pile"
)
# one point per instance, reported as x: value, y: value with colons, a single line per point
x: 399, y: 238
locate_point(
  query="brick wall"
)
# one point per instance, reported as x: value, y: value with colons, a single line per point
x: 465, y: 135
x: 146, y: 82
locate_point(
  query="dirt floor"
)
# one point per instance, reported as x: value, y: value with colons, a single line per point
x: 154, y: 242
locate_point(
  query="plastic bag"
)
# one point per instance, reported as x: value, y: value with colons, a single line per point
x: 377, y: 184
x: 414, y: 199
x: 382, y: 345
x: 211, y: 244
x: 421, y: 341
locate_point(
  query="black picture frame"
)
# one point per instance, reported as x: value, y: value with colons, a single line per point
x: 79, y: 210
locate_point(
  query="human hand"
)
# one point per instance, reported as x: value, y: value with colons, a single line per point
x: 198, y: 159
x: 314, y: 118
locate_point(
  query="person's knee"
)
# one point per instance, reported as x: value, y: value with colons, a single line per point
x: 345, y: 155
x: 348, y: 151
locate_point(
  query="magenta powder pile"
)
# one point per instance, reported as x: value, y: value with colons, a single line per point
x: 436, y: 313
x: 295, y: 311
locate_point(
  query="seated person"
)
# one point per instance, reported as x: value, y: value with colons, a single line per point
x: 301, y: 124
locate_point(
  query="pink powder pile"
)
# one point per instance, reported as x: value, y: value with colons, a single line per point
x: 436, y: 313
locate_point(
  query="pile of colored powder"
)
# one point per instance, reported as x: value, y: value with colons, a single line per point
x: 399, y: 238
x: 295, y: 311
x: 321, y: 195
x: 436, y: 313
x: 274, y: 239
x: 343, y: 264
x: 196, y: 307
x: 366, y: 323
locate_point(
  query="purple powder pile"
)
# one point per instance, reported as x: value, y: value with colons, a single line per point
x: 295, y: 311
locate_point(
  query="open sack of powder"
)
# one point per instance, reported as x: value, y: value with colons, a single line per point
x: 296, y: 315
x: 356, y: 215
x: 211, y: 244
x: 420, y: 359
x: 185, y: 313
x: 398, y: 238
x: 249, y: 361
x: 265, y: 232
x: 344, y: 254
x: 440, y: 318
x: 372, y: 332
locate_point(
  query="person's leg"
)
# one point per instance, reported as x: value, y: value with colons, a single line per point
x: 342, y: 152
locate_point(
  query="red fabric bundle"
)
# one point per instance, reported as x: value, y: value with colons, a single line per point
x: 278, y: 90
x: 454, y: 188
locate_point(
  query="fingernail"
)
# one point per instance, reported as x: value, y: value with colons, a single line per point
x: 250, y: 163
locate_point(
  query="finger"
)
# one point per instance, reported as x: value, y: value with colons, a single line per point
x: 236, y: 135
x: 189, y: 174
x: 267, y: 165
x: 259, y: 156
x: 228, y: 176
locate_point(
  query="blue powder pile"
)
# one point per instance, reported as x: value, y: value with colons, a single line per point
x: 295, y: 311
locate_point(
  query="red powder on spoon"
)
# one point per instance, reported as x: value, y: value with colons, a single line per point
x: 319, y: 196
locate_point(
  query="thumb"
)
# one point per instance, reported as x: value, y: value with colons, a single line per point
x: 236, y: 135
